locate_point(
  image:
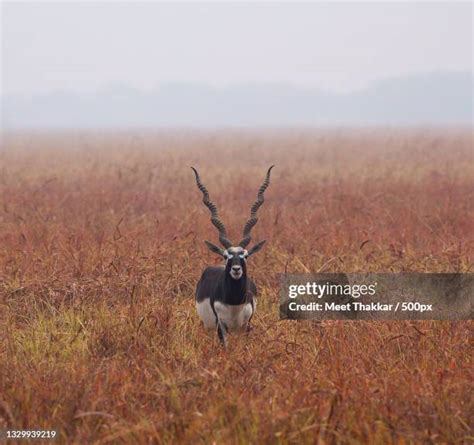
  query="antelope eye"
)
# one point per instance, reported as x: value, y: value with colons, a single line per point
x: 242, y: 256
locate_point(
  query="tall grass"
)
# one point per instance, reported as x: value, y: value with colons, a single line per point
x: 101, y: 248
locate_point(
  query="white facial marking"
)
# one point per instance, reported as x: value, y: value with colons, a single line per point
x: 229, y: 254
x: 236, y: 275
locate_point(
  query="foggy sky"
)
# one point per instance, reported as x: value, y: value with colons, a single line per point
x: 88, y: 46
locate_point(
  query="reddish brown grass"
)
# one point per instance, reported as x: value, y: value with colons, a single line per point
x: 101, y: 248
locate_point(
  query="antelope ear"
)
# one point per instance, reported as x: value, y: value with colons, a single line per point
x: 256, y: 248
x: 214, y: 248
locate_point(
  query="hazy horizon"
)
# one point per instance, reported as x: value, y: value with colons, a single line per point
x: 443, y: 98
x: 235, y: 64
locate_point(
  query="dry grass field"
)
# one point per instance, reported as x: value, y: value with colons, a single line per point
x: 101, y: 246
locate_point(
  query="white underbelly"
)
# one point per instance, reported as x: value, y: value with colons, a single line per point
x: 206, y: 314
x: 234, y: 316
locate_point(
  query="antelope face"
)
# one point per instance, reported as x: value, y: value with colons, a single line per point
x: 235, y: 261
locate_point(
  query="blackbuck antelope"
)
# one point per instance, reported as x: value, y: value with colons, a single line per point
x: 225, y: 295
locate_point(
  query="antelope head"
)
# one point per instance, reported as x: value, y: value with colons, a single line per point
x: 235, y: 256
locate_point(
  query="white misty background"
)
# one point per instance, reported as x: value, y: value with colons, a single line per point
x: 206, y: 64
